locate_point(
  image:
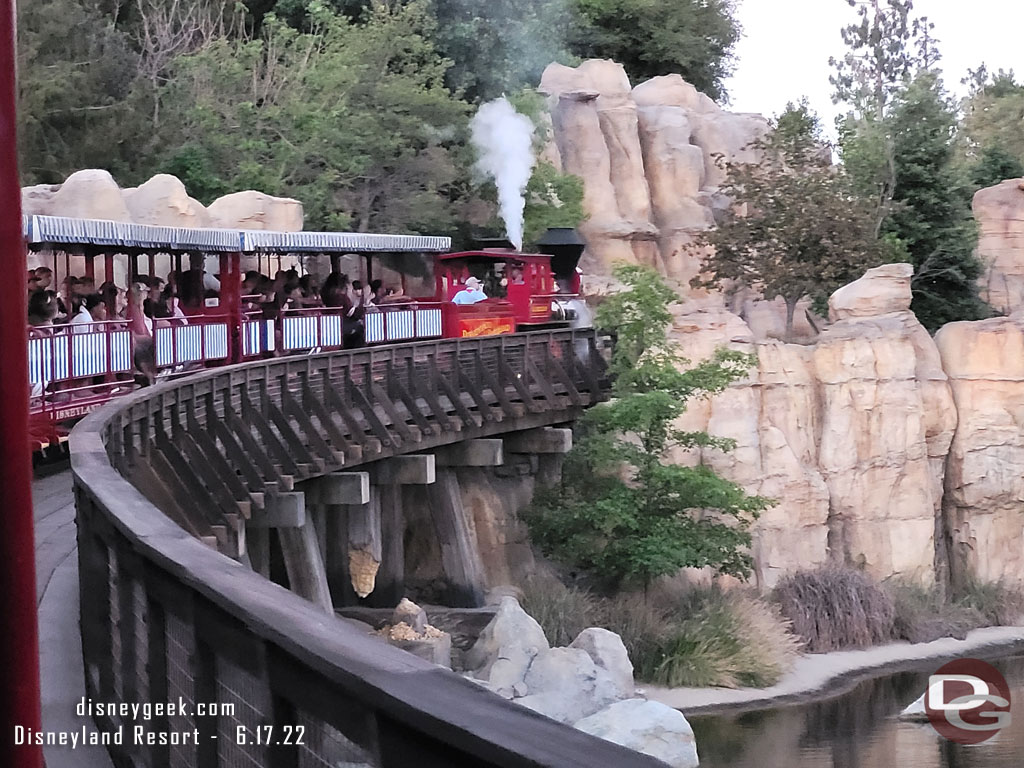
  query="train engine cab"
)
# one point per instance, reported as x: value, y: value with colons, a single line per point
x: 499, y: 290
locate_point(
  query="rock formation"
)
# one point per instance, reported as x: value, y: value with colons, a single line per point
x: 162, y: 200
x: 850, y: 435
x: 999, y: 211
x: 588, y: 685
x: 648, y: 159
x: 985, y: 467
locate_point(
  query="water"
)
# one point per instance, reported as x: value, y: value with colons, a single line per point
x: 858, y: 729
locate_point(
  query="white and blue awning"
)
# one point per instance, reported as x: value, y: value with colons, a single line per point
x: 62, y: 231
x: 339, y: 242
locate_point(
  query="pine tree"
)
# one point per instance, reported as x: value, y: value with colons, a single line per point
x: 931, y: 215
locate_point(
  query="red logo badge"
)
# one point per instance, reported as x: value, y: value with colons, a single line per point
x: 968, y: 701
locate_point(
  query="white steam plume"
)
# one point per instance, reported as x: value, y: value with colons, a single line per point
x: 504, y: 143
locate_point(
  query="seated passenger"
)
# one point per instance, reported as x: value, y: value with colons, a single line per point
x: 42, y: 308
x: 471, y: 294
x: 92, y: 312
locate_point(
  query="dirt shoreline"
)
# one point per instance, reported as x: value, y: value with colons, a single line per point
x: 824, y: 675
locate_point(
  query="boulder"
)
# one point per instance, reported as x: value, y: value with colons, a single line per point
x: 163, y: 201
x: 507, y: 673
x: 999, y: 211
x: 566, y: 685
x: 607, y: 651
x: 38, y: 200
x: 511, y: 626
x: 648, y: 727
x: 880, y: 291
x: 255, y: 210
x: 407, y: 612
x: 90, y: 194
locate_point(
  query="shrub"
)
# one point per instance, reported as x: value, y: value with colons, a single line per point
x: 922, y: 614
x: 731, y: 640
x: 834, y: 607
x: 997, y: 603
x: 563, y: 612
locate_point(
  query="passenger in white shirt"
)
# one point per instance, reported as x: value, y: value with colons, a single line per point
x: 471, y: 294
x: 92, y: 312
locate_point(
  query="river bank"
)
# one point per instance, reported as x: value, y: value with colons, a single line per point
x: 814, y: 675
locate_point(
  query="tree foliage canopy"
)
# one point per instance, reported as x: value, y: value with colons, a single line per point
x: 694, y: 38
x: 797, y: 227
x: 622, y: 512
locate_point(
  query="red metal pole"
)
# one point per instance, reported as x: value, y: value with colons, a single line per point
x: 19, y: 638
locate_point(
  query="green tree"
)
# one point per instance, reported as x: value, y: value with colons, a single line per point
x: 621, y: 511
x: 693, y: 38
x: 499, y: 46
x: 797, y: 228
x: 879, y: 62
x: 553, y: 199
x: 352, y: 118
x: 73, y: 99
x: 931, y: 215
x: 991, y: 137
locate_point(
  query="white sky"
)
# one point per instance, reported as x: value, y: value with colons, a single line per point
x: 787, y: 43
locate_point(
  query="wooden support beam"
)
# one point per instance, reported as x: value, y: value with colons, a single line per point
x: 306, y: 574
x: 541, y: 440
x: 281, y: 510
x: 398, y: 389
x: 482, y: 405
x: 390, y: 586
x: 364, y: 544
x: 520, y: 386
x: 315, y: 405
x: 398, y: 422
x: 339, y: 488
x: 484, y: 452
x: 456, y: 532
x: 539, y: 380
x: 560, y: 374
x: 294, y: 410
x: 258, y: 547
x: 454, y: 397
x: 370, y: 415
x: 414, y: 469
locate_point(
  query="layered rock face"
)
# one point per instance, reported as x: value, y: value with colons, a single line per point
x: 985, y: 476
x: 999, y: 211
x: 850, y: 435
x: 162, y: 200
x: 647, y: 157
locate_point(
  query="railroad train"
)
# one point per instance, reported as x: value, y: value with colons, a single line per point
x: 73, y: 370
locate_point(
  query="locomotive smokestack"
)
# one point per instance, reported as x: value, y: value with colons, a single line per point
x: 504, y: 143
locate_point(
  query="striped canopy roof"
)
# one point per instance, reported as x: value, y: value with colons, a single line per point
x: 60, y: 231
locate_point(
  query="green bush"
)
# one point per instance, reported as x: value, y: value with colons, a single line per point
x: 832, y: 608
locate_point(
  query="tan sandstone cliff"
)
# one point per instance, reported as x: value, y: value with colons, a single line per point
x: 999, y: 211
x: 850, y: 434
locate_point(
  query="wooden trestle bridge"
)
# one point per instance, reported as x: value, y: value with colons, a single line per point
x: 177, y: 486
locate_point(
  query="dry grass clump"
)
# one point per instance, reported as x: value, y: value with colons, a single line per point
x: 703, y: 638
x: 833, y: 608
x: 562, y: 612
x: 922, y: 614
x: 998, y: 603
x: 730, y: 640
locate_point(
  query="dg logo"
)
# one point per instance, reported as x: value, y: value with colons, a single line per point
x: 968, y: 701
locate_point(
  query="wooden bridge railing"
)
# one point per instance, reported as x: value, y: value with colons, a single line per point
x: 166, y: 618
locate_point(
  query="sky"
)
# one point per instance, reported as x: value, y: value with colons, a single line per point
x: 787, y: 43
